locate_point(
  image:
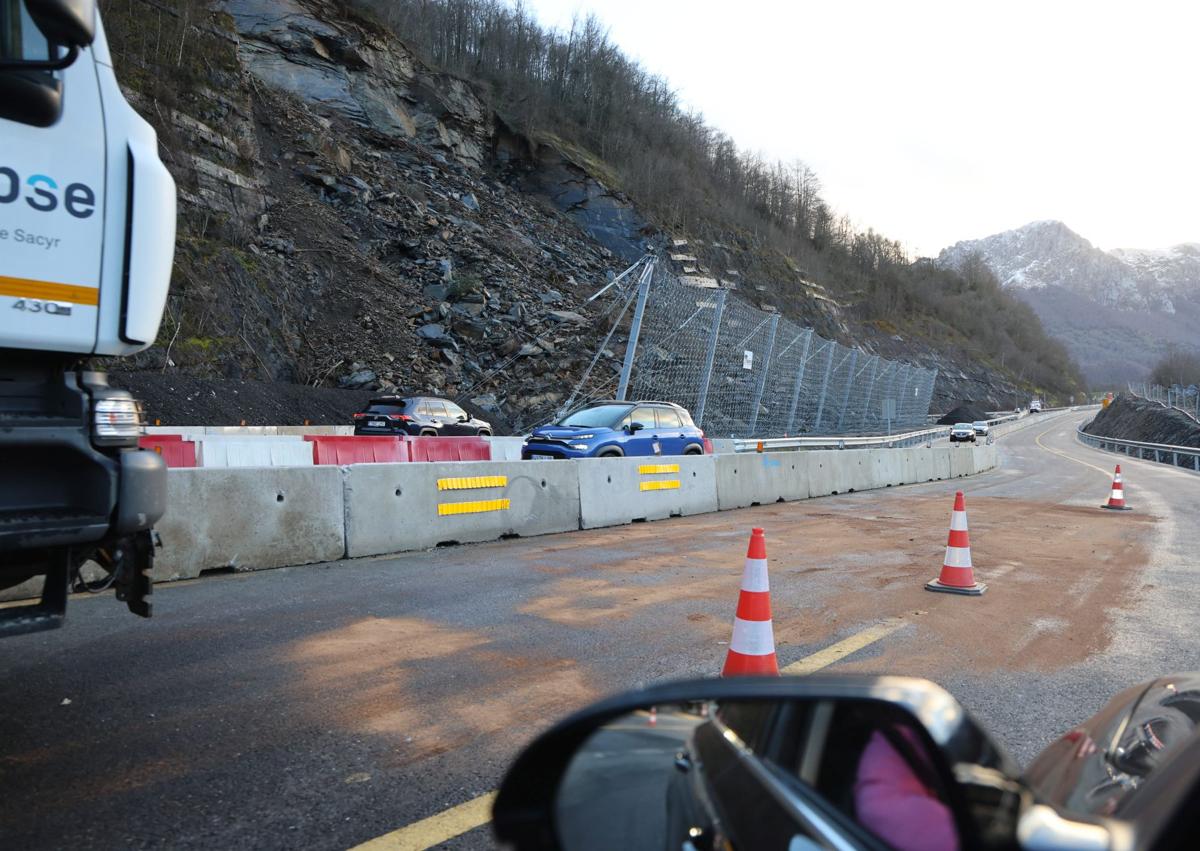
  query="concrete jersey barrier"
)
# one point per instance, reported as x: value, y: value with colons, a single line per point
x: 250, y: 519
x: 613, y: 491
x: 395, y: 507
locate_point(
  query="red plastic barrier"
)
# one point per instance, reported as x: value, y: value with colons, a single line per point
x: 176, y: 451
x: 708, y: 447
x: 449, y: 449
x: 363, y: 449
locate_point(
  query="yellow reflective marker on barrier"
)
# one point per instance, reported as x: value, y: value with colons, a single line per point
x: 653, y: 469
x: 471, y: 482
x: 478, y: 507
x: 661, y: 485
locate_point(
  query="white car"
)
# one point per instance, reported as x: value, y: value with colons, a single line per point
x: 981, y: 428
x: 962, y: 432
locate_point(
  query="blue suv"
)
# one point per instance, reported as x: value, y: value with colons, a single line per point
x: 615, y: 429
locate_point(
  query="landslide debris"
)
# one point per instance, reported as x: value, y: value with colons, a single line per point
x: 964, y: 413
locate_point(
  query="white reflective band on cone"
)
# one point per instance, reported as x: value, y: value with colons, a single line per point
x: 752, y: 638
x: 1118, y: 495
x: 958, y: 521
x: 958, y: 557
x: 754, y: 577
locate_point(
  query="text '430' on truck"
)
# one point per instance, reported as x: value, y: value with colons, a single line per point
x: 87, y: 236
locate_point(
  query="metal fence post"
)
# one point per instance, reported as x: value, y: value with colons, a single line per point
x: 799, y: 382
x: 862, y: 423
x: 849, y: 387
x: 901, y: 418
x: 824, y: 387
x: 636, y: 328
x: 762, y: 379
x: 709, y: 356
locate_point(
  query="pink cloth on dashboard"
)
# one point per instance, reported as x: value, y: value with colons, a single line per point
x: 893, y: 803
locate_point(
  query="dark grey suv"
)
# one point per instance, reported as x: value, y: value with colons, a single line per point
x: 419, y: 416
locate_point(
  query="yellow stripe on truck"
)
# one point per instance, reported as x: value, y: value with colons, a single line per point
x: 448, y: 508
x: 49, y: 291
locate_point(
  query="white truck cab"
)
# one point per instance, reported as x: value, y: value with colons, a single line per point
x: 87, y: 235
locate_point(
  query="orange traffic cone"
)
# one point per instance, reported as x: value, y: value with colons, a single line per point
x: 1117, y: 500
x: 752, y: 649
x: 958, y: 574
x: 652, y: 721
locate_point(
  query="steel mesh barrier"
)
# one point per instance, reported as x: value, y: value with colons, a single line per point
x: 745, y: 372
x: 1186, y: 400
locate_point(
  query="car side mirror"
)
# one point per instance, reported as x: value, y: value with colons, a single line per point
x: 632, y: 427
x: 828, y: 756
x: 462, y: 418
x: 71, y: 23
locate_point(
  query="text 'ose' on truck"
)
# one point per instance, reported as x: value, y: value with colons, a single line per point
x: 87, y: 240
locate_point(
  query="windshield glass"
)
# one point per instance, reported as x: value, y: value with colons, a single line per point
x: 20, y: 38
x: 385, y: 408
x: 602, y: 417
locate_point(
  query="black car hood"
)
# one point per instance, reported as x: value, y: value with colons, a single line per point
x: 1098, y: 766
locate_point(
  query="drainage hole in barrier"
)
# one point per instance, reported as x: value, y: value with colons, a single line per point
x: 835, y: 493
x: 851, y: 490
x: 693, y: 474
x: 609, y: 478
x: 543, y: 482
x: 639, y: 520
x: 218, y: 571
x: 279, y: 497
x: 447, y: 544
x: 781, y: 499
x: 398, y: 492
x: 508, y: 536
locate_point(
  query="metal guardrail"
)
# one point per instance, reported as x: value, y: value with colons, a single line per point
x: 883, y: 441
x: 1186, y: 457
x: 878, y: 441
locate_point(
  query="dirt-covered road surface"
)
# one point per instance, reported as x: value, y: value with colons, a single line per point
x: 323, y: 706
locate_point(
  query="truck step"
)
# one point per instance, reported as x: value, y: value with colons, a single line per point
x: 47, y: 613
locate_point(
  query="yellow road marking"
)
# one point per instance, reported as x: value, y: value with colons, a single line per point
x: 448, y: 508
x: 837, y: 652
x: 652, y: 469
x: 661, y: 485
x: 433, y: 831
x: 49, y: 291
x: 1038, y: 441
x: 472, y: 482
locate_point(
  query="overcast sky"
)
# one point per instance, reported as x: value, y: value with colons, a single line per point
x: 939, y: 121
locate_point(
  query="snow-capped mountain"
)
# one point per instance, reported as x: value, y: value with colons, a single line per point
x: 1115, y: 310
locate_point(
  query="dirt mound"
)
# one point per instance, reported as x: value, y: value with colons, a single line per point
x: 964, y: 413
x: 1129, y: 418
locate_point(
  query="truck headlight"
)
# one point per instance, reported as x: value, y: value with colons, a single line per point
x: 117, y: 419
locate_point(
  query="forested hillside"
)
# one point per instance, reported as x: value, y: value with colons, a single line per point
x: 420, y: 197
x: 578, y: 87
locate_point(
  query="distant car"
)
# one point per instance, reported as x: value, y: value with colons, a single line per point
x: 1035, y: 407
x: 962, y: 432
x: 614, y: 429
x: 981, y: 428
x: 419, y: 416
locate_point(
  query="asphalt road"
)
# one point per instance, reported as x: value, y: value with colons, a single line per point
x: 322, y: 706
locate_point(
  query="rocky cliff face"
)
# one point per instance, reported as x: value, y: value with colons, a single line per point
x: 1116, y: 311
x: 352, y: 218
